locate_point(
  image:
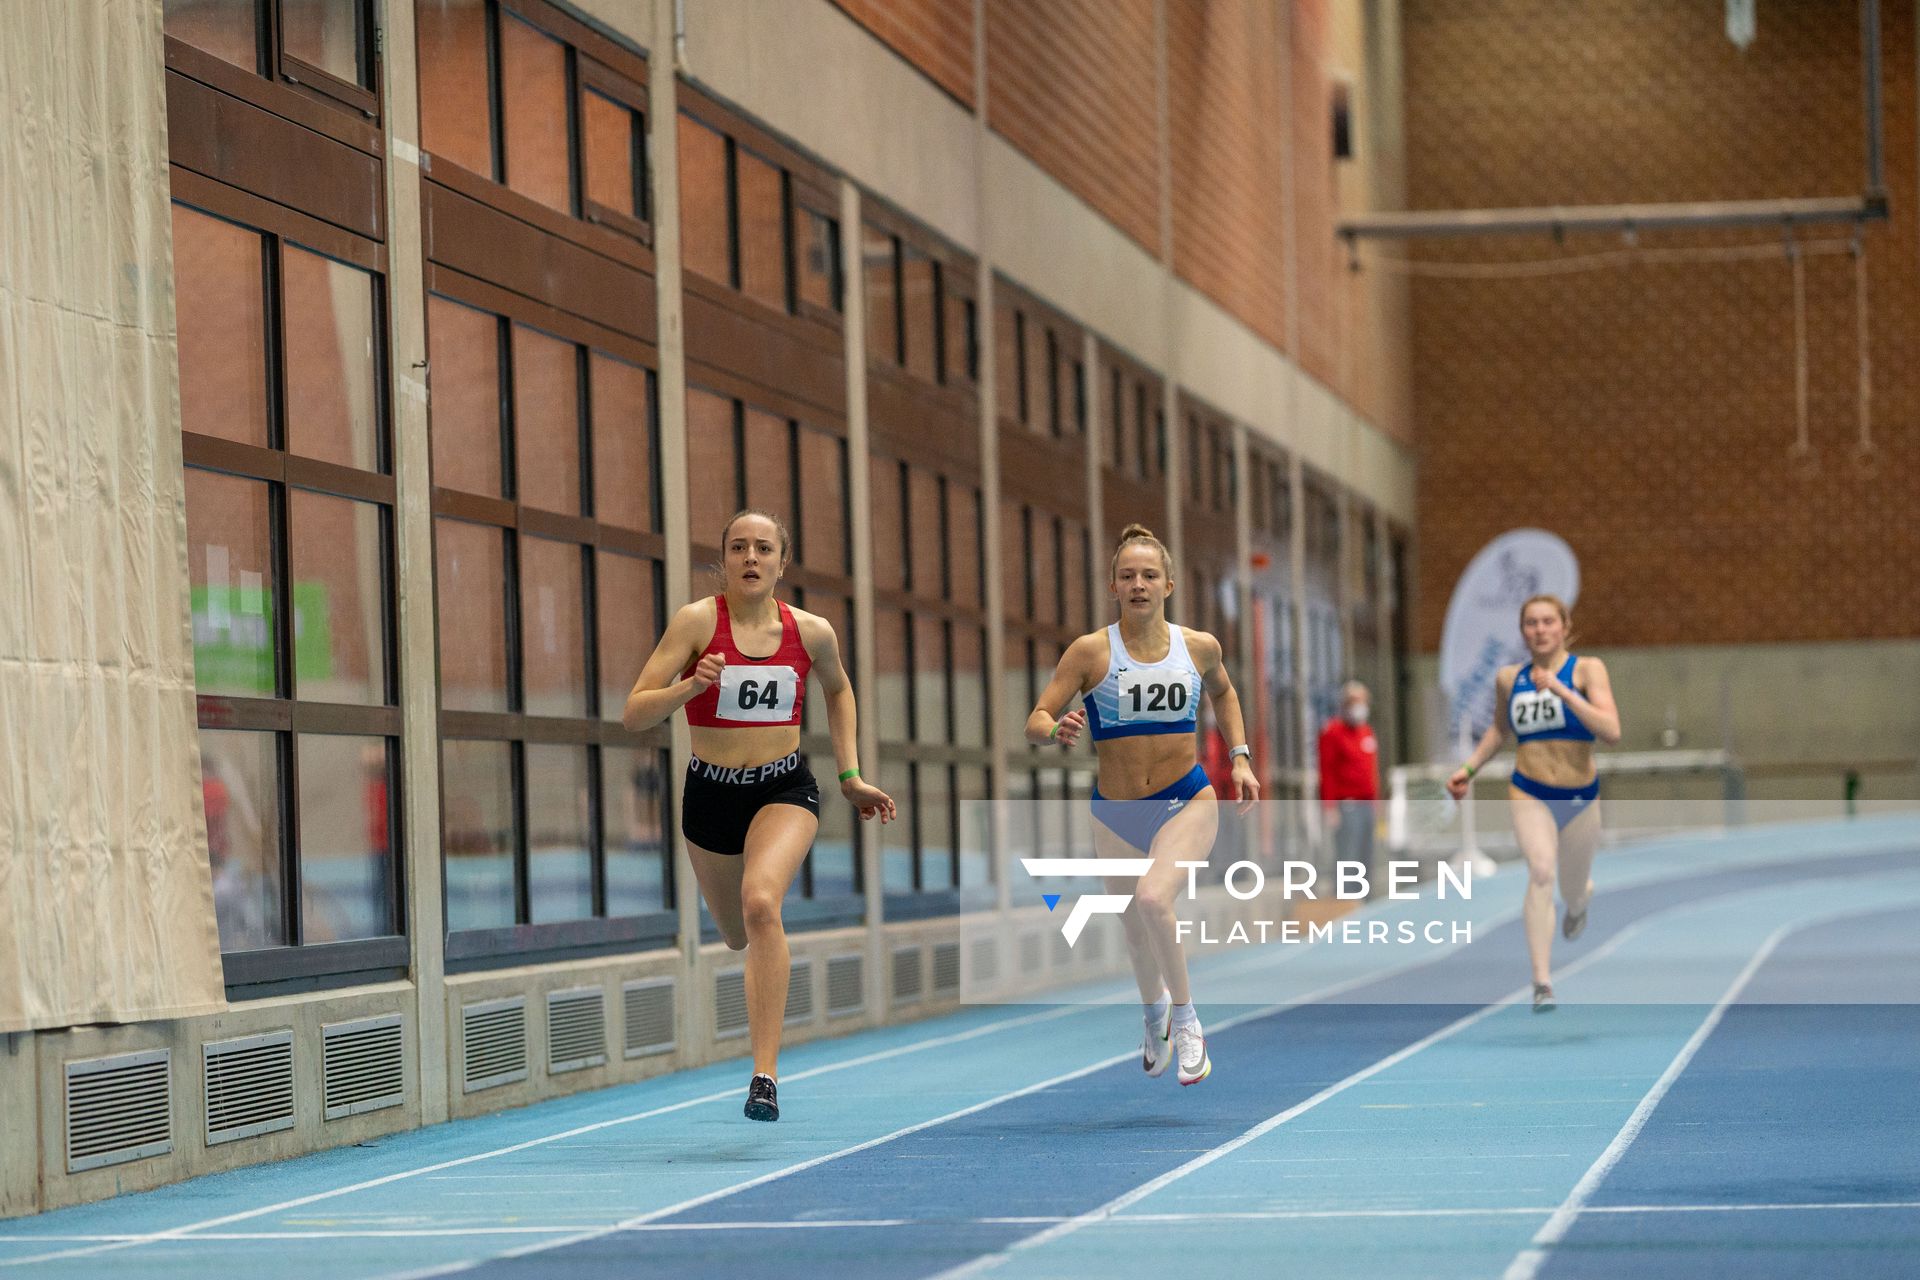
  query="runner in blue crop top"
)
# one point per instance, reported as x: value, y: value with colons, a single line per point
x: 1556, y: 705
x: 1142, y: 678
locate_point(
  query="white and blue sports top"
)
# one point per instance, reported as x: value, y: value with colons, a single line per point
x: 1540, y: 715
x: 1136, y: 698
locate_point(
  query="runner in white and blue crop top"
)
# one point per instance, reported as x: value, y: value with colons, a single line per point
x: 1556, y: 705
x: 1142, y: 678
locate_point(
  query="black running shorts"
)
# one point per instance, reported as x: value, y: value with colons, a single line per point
x: 720, y: 801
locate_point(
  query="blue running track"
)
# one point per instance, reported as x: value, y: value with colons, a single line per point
x: 1373, y: 1111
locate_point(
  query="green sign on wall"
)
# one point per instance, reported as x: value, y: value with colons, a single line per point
x: 233, y: 637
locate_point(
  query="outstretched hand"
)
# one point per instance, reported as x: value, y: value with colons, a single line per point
x: 870, y: 800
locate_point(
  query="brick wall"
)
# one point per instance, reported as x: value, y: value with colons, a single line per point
x: 1324, y: 310
x: 1645, y: 413
x: 1225, y: 99
x: 1071, y: 84
x: 934, y: 35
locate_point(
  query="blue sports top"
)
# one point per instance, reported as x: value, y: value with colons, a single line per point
x: 1136, y: 698
x: 1538, y: 715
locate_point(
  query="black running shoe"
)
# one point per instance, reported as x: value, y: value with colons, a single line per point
x: 1542, y: 998
x: 763, y: 1099
x: 1573, y: 924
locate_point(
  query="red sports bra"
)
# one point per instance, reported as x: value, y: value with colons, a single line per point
x: 752, y: 691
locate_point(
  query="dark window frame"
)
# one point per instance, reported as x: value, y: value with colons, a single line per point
x: 523, y: 940
x: 918, y: 603
x: 594, y: 64
x: 287, y: 73
x: 805, y: 187
x: 266, y: 971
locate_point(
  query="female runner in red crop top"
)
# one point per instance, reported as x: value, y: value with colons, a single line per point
x: 738, y: 662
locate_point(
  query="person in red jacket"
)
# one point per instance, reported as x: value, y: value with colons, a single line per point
x: 1350, y: 776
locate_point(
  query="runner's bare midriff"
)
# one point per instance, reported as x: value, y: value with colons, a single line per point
x: 744, y: 747
x: 1131, y: 768
x: 1557, y: 762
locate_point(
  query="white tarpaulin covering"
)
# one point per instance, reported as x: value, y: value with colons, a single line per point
x: 106, y: 905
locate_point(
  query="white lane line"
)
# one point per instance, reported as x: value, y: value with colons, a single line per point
x: 1323, y: 993
x: 1132, y: 1219
x: 1526, y: 1264
x: 175, y: 1233
x: 988, y: 1262
x: 1132, y: 1055
x: 1044, y: 1015
x: 933, y: 1042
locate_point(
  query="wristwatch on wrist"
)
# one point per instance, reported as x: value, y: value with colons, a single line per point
x: 1242, y: 750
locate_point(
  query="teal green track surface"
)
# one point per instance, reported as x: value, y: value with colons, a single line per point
x: 1730, y: 1087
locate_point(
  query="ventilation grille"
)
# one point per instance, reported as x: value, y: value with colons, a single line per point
x: 1030, y: 955
x: 985, y: 957
x: 800, y: 993
x: 846, y: 986
x: 729, y: 1004
x: 494, y: 1037
x: 576, y: 1029
x: 909, y: 975
x: 363, y: 1065
x: 119, y: 1109
x: 946, y: 968
x: 249, y: 1086
x: 649, y: 1016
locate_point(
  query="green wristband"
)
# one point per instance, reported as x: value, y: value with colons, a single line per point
x: 1470, y: 770
x: 1053, y: 732
x: 849, y: 773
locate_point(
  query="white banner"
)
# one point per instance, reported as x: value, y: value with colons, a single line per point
x: 1482, y: 631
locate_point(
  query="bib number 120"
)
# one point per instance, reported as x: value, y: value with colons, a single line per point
x: 1158, y: 697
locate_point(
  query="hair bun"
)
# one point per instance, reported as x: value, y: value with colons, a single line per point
x: 1133, y: 531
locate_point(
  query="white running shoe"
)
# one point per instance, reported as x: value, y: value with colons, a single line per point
x: 1191, y: 1046
x: 1156, y: 1051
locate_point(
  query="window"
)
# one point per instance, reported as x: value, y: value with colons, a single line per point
x: 706, y: 202
x: 549, y: 596
x: 960, y: 359
x: 763, y: 229
x: 755, y: 218
x: 1044, y: 578
x: 920, y: 310
x: 534, y: 113
x: 920, y: 314
x: 525, y: 96
x: 289, y: 499
x: 1321, y: 591
x: 1041, y: 373
x: 880, y: 252
x: 322, y: 47
x: 822, y: 282
x: 932, y: 705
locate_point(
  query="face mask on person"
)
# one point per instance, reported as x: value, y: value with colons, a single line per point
x: 1356, y: 713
